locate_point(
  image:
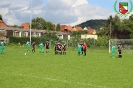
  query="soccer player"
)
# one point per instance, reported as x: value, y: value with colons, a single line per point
x: 41, y: 47
x: 119, y: 50
x: 47, y: 46
x: 64, y: 49
x: 27, y: 46
x: 113, y: 51
x: 33, y: 47
x: 84, y: 48
x: 59, y: 48
x: 79, y: 49
x: 55, y: 48
x: 2, y: 48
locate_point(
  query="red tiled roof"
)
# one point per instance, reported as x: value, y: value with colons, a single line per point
x: 92, y: 31
x: 78, y: 28
x: 26, y: 25
x: 66, y: 28
x: 2, y: 24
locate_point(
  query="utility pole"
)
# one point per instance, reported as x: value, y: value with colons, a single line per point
x: 110, y: 35
x: 110, y: 29
x: 30, y: 18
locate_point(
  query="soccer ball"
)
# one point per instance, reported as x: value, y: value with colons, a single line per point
x: 25, y: 54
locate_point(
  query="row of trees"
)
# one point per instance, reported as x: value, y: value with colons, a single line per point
x: 118, y: 28
x: 114, y: 27
x: 95, y: 24
x: 41, y: 24
x: 38, y: 40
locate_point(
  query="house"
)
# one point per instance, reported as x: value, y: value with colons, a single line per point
x: 25, y: 25
x: 92, y: 31
x: 62, y: 35
x: 77, y: 28
x: 86, y: 36
x: 3, y: 33
x: 19, y: 32
x: 2, y: 24
x: 68, y: 28
x: 65, y: 28
x: 85, y: 28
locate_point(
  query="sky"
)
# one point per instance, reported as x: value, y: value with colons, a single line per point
x: 68, y: 12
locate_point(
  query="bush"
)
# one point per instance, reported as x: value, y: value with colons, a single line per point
x: 92, y: 43
x: 23, y: 40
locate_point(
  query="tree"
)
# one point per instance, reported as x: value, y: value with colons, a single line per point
x: 106, y: 31
x: 131, y: 26
x: 78, y: 33
x: 128, y: 26
x: 58, y: 27
x: 131, y: 17
x: 50, y: 26
x: 39, y: 24
x: 95, y: 24
x: 1, y: 17
x: 113, y: 27
x: 117, y: 28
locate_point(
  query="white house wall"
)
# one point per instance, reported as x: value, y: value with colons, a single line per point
x: 60, y: 36
x: 20, y: 34
x: 86, y: 36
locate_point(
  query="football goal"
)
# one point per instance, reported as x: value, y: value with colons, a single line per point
x: 127, y: 44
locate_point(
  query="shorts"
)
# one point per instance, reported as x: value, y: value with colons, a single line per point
x: 47, y: 47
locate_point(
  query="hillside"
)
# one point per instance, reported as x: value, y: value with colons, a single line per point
x: 95, y: 24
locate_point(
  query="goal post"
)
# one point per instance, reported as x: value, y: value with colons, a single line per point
x: 127, y: 44
x: 109, y: 46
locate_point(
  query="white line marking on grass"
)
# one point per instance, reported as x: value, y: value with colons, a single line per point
x: 52, y: 79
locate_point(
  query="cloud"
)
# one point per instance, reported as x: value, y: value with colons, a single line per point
x: 71, y: 12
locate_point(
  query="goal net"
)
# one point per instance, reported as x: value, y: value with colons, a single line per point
x: 127, y: 44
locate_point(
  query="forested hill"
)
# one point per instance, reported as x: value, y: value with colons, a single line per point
x: 95, y: 24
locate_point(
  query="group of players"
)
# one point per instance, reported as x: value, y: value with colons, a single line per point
x: 82, y: 49
x: 119, y: 51
x: 59, y: 48
x: 41, y: 45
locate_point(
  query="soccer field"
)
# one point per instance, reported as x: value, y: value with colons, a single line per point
x: 46, y: 70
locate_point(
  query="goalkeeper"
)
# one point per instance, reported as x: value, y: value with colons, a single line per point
x: 113, y: 51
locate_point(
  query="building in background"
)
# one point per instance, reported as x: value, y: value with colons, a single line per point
x: 25, y: 25
x: 2, y: 24
x: 86, y: 36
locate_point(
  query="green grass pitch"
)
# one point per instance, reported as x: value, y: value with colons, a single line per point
x: 46, y: 70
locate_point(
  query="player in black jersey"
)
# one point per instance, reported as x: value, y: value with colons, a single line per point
x: 47, y: 46
x: 64, y: 49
